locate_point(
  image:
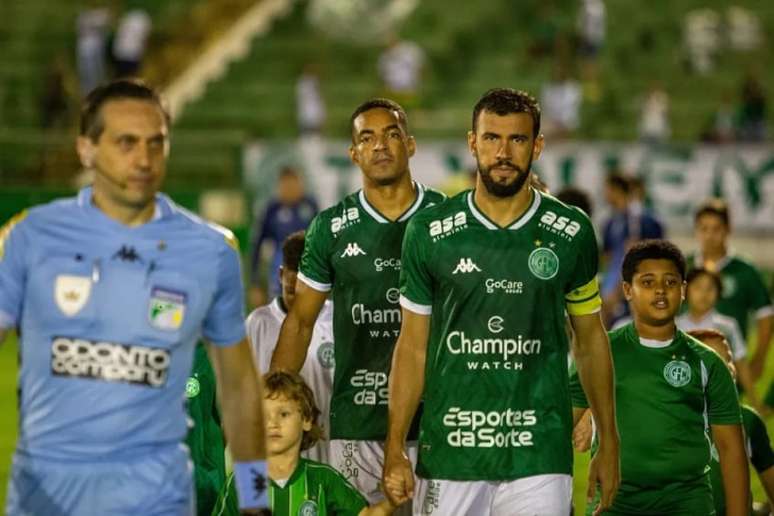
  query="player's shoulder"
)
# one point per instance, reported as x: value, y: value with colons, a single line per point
x: 750, y: 416
x: 259, y: 315
x: 345, y: 213
x: 431, y: 196
x: 705, y: 353
x: 319, y: 469
x: 742, y: 263
x: 555, y: 214
x: 724, y: 322
x: 447, y: 206
x: 620, y: 334
x: 194, y: 225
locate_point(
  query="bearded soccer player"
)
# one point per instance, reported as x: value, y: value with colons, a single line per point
x: 486, y: 278
x: 263, y: 327
x: 110, y: 291
x: 352, y: 250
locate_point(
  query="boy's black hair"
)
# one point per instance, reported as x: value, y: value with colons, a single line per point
x: 699, y: 271
x: 651, y: 250
x: 292, y: 249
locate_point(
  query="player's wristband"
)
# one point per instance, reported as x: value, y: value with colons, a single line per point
x: 252, y: 483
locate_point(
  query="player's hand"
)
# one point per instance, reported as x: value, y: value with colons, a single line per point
x: 398, y: 478
x: 582, y: 433
x: 605, y: 471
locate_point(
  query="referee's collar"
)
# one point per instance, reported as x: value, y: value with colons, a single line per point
x: 162, y: 209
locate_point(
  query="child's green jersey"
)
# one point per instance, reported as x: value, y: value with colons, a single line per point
x: 314, y: 489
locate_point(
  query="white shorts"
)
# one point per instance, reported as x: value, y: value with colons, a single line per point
x: 361, y: 463
x: 539, y: 495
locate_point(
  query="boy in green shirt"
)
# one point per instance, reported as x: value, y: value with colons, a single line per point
x: 672, y: 394
x: 299, y: 486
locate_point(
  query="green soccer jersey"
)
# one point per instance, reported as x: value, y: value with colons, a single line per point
x: 744, y: 293
x: 354, y: 251
x: 497, y: 403
x: 314, y: 489
x: 666, y: 399
x: 758, y: 451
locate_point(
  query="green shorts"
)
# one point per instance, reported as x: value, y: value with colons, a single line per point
x: 693, y: 498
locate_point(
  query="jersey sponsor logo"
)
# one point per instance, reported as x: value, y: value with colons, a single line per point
x: 562, y: 226
x: 372, y: 385
x: 499, y: 353
x: 393, y: 295
x: 347, y: 465
x: 71, y: 293
x: 495, y: 324
x: 677, y: 373
x: 387, y: 316
x: 440, y: 229
x: 543, y: 263
x: 349, y: 217
x: 308, y: 508
x: 192, y: 387
x: 109, y: 361
x: 353, y: 249
x: 432, y: 497
x: 493, y: 429
x: 466, y: 266
x: 325, y: 355
x: 166, y: 309
x: 386, y: 263
x: 503, y: 286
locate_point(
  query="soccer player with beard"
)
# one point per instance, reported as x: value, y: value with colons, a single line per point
x: 352, y: 251
x: 486, y: 279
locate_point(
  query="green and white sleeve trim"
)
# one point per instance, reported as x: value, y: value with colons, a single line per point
x: 764, y: 312
x: 321, y: 287
x: 415, y: 307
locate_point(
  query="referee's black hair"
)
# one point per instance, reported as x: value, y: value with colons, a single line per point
x: 504, y: 101
x: 91, y: 122
x: 651, y: 250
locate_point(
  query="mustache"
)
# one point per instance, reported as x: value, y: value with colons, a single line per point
x: 506, y: 163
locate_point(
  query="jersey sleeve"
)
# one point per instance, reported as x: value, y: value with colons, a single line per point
x: 577, y: 394
x: 315, y: 268
x: 582, y: 295
x: 720, y: 391
x: 14, y: 244
x: 416, y: 283
x: 761, y: 454
x: 341, y: 497
x: 224, y: 322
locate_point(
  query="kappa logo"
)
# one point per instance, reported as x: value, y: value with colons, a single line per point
x: 466, y: 266
x: 352, y: 250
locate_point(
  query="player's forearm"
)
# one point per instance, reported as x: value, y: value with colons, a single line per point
x: 292, y: 345
x: 383, y: 508
x: 767, y: 481
x: 733, y: 465
x: 763, y: 328
x: 595, y: 371
x: 744, y: 375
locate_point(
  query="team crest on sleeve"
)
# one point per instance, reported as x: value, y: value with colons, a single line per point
x: 166, y: 309
x: 677, y: 373
x: 325, y: 355
x: 71, y: 293
x: 543, y: 263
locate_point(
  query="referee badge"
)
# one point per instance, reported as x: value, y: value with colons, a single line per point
x: 71, y: 293
x: 166, y: 309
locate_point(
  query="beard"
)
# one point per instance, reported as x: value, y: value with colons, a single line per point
x: 503, y: 190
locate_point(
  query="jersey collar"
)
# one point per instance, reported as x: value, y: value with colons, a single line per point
x: 698, y: 260
x: 420, y: 189
x: 518, y: 223
x: 276, y: 309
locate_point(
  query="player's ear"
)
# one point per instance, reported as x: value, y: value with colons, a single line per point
x: 472, y: 143
x: 537, y: 146
x: 353, y: 155
x: 627, y: 290
x: 411, y: 144
x: 86, y: 151
x: 683, y: 290
x: 306, y: 425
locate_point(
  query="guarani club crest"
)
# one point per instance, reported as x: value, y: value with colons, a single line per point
x: 543, y: 263
x: 677, y: 373
x: 325, y: 355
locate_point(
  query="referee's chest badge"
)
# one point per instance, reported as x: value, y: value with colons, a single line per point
x: 71, y: 293
x: 166, y: 309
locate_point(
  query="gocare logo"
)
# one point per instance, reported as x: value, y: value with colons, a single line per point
x: 386, y: 263
x: 372, y: 385
x: 440, y: 229
x: 503, y: 286
x: 348, y: 218
x: 561, y: 226
x: 492, y: 429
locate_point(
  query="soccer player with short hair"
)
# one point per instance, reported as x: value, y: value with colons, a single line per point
x: 485, y: 282
x: 263, y: 327
x: 744, y: 293
x: 299, y: 486
x: 673, y: 396
x: 756, y: 436
x: 109, y: 292
x: 352, y: 251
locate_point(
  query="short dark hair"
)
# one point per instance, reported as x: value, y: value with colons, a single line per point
x: 379, y: 103
x: 651, y: 250
x: 292, y: 386
x: 575, y: 197
x: 618, y: 180
x: 91, y: 122
x: 693, y: 274
x: 504, y: 101
x: 715, y: 206
x: 292, y: 249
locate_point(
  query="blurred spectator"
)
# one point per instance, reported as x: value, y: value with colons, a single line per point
x: 702, y: 39
x: 560, y: 102
x: 643, y: 222
x: 543, y: 31
x: 721, y: 127
x: 400, y: 69
x: 130, y: 42
x: 591, y: 30
x: 576, y: 197
x: 56, y: 95
x: 744, y: 29
x: 654, y: 118
x: 92, y: 25
x: 310, y: 106
x: 289, y: 211
x: 752, y: 112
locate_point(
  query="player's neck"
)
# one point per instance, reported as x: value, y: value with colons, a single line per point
x: 712, y: 256
x: 503, y: 211
x: 392, y: 200
x: 127, y: 215
x: 696, y: 315
x: 282, y: 465
x: 661, y: 332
